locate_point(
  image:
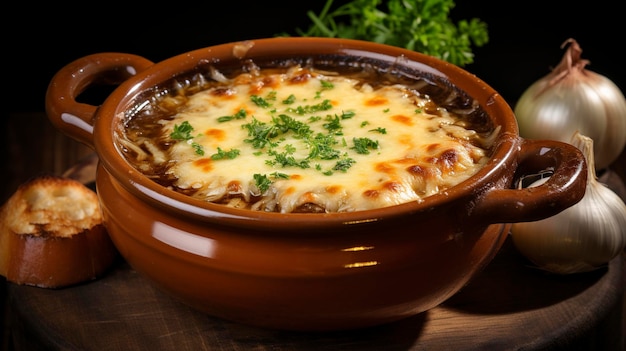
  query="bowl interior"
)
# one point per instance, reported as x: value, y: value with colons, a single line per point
x: 447, y: 84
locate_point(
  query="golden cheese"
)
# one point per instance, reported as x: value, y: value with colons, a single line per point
x: 304, y: 140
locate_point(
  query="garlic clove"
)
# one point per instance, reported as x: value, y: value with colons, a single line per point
x: 581, y: 238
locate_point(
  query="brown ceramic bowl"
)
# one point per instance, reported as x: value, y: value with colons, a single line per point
x: 308, y: 271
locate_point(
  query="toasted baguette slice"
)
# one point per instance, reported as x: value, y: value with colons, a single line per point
x: 51, y: 234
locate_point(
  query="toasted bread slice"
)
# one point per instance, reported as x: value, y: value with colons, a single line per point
x: 51, y: 234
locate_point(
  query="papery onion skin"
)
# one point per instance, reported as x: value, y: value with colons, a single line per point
x: 572, y: 98
x: 581, y: 238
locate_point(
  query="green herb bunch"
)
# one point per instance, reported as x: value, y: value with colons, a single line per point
x: 419, y: 25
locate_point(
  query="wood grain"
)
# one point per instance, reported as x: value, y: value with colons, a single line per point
x: 510, y: 306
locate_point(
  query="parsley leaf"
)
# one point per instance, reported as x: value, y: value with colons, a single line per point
x: 260, y: 133
x: 259, y: 101
x: 322, y: 146
x: 289, y: 100
x: 379, y: 130
x: 419, y: 25
x: 303, y: 110
x: 327, y: 85
x: 285, y: 159
x: 182, y: 132
x: 199, y: 149
x: 362, y: 145
x: 221, y: 154
x: 262, y: 182
x: 241, y: 114
x: 344, y: 164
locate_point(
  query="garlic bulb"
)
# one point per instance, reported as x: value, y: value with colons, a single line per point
x: 582, y: 237
x: 572, y: 98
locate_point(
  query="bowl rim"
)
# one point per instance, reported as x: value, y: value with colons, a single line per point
x: 113, y: 109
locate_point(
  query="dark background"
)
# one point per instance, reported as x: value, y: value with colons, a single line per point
x: 525, y: 36
x: 39, y: 39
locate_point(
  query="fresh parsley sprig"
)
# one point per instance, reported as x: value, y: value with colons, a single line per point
x: 419, y: 25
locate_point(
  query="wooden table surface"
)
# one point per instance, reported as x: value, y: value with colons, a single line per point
x: 510, y: 305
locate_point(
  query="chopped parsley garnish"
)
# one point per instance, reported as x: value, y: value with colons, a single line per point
x: 263, y: 182
x: 302, y: 110
x: 182, y: 132
x: 271, y: 96
x: 199, y: 149
x: 343, y: 164
x: 285, y: 159
x: 289, y: 100
x: 260, y: 133
x: 333, y: 125
x: 322, y: 147
x: 327, y: 85
x: 221, y: 154
x: 363, y: 145
x: 286, y: 123
x: 278, y: 175
x: 347, y: 114
x: 259, y: 101
x: 241, y: 114
x: 291, y: 135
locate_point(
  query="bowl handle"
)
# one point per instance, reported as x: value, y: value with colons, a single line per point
x: 75, y: 118
x: 565, y: 187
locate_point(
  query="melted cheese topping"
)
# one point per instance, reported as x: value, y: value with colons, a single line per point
x: 385, y: 146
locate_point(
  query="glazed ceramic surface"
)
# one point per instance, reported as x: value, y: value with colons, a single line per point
x: 308, y: 271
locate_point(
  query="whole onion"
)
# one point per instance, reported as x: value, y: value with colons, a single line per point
x: 574, y: 99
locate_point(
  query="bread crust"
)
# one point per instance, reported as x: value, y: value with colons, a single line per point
x: 52, y: 235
